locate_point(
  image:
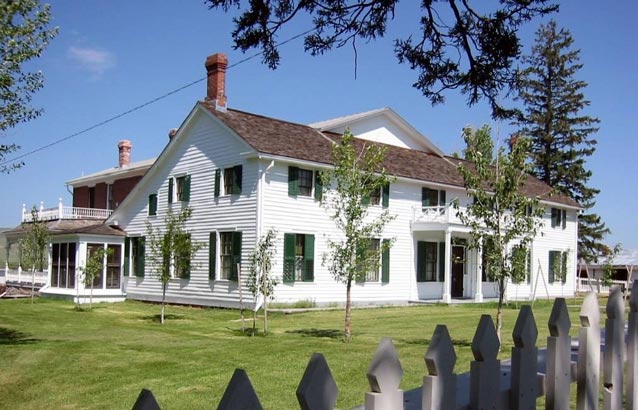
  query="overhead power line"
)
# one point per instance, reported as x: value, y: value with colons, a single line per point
x: 139, y: 107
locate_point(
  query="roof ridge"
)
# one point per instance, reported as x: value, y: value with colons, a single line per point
x: 264, y: 116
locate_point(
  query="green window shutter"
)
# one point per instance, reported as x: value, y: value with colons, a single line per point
x: 564, y: 218
x: 127, y: 255
x: 385, y: 199
x: 318, y: 186
x: 237, y: 175
x: 552, y: 264
x: 385, y: 262
x: 309, y: 258
x: 563, y: 266
x: 212, y: 255
x: 141, y: 256
x: 236, y: 252
x: 186, y: 195
x: 289, y: 257
x: 442, y: 198
x: 420, y: 261
x: 293, y: 181
x: 152, y: 204
x: 170, y: 190
x: 365, y: 200
x: 554, y: 217
x: 217, y: 182
x: 441, y: 261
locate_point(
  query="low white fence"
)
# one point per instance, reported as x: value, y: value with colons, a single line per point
x: 489, y: 384
x: 596, y: 285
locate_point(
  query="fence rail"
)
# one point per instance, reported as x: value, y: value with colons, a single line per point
x: 492, y: 385
x: 597, y: 285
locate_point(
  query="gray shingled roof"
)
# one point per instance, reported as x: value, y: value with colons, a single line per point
x: 296, y: 141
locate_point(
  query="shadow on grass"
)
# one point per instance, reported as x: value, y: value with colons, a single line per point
x: 13, y: 337
x: 329, y: 333
x: 426, y: 342
x: 157, y: 318
x: 248, y: 331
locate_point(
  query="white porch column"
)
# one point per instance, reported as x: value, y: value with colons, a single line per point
x: 478, y: 294
x: 447, y: 284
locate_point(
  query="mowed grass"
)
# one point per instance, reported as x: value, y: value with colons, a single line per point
x: 54, y: 356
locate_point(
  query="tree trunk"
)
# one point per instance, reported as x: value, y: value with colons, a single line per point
x: 347, y: 332
x: 254, y: 321
x: 499, y: 312
x: 265, y: 315
x: 163, y: 302
x: 91, y: 297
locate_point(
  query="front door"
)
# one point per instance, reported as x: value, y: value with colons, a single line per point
x: 458, y: 270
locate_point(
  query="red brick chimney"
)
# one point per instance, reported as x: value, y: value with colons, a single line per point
x: 124, y: 147
x: 216, y: 86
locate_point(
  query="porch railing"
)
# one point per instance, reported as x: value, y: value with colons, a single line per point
x: 25, y: 277
x: 65, y: 212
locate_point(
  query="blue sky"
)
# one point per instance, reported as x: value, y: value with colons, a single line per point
x: 112, y: 56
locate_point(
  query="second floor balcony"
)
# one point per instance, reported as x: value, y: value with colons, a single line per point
x: 64, y: 212
x: 444, y: 214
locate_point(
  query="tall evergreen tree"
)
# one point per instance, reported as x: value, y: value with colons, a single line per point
x: 562, y: 136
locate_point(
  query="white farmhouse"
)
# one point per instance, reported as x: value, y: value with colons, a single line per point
x: 242, y: 174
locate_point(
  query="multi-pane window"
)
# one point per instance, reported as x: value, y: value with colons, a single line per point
x: 110, y: 198
x: 233, y: 180
x: 432, y: 198
x: 559, y: 218
x: 182, y: 256
x: 557, y: 271
x: 63, y: 265
x: 152, y: 204
x: 298, y: 257
x: 113, y: 263
x: 373, y: 273
x: 91, y: 249
x: 522, y: 261
x: 426, y: 261
x: 302, y: 181
x: 305, y: 182
x: 229, y: 254
x: 179, y: 189
x: 375, y: 197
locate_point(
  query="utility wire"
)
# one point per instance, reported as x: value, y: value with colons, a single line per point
x: 139, y: 107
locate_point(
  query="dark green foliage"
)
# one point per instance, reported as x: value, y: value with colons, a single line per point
x: 458, y: 45
x: 23, y: 36
x: 561, y: 134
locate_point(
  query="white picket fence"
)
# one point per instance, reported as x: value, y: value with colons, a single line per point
x: 529, y: 376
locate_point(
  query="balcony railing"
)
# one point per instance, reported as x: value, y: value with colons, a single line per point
x: 435, y: 214
x: 65, y: 212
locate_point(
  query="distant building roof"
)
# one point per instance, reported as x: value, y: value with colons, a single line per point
x: 133, y: 169
x: 626, y: 257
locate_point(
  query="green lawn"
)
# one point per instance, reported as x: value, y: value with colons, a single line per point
x: 53, y: 356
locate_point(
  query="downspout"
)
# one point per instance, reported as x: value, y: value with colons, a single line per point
x: 260, y: 197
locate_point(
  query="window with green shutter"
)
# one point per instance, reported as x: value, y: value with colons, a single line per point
x: 236, y: 255
x: 152, y: 204
x: 170, y: 190
x: 426, y: 261
x: 559, y: 218
x: 229, y: 254
x: 300, y: 181
x: 554, y: 266
x: 441, y: 261
x: 299, y: 258
x: 183, y: 188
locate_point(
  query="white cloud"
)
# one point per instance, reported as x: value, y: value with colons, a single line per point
x: 93, y: 60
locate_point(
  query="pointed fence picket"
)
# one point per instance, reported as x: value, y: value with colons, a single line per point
x: 491, y: 386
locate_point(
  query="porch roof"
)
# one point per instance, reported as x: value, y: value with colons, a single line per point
x: 72, y: 226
